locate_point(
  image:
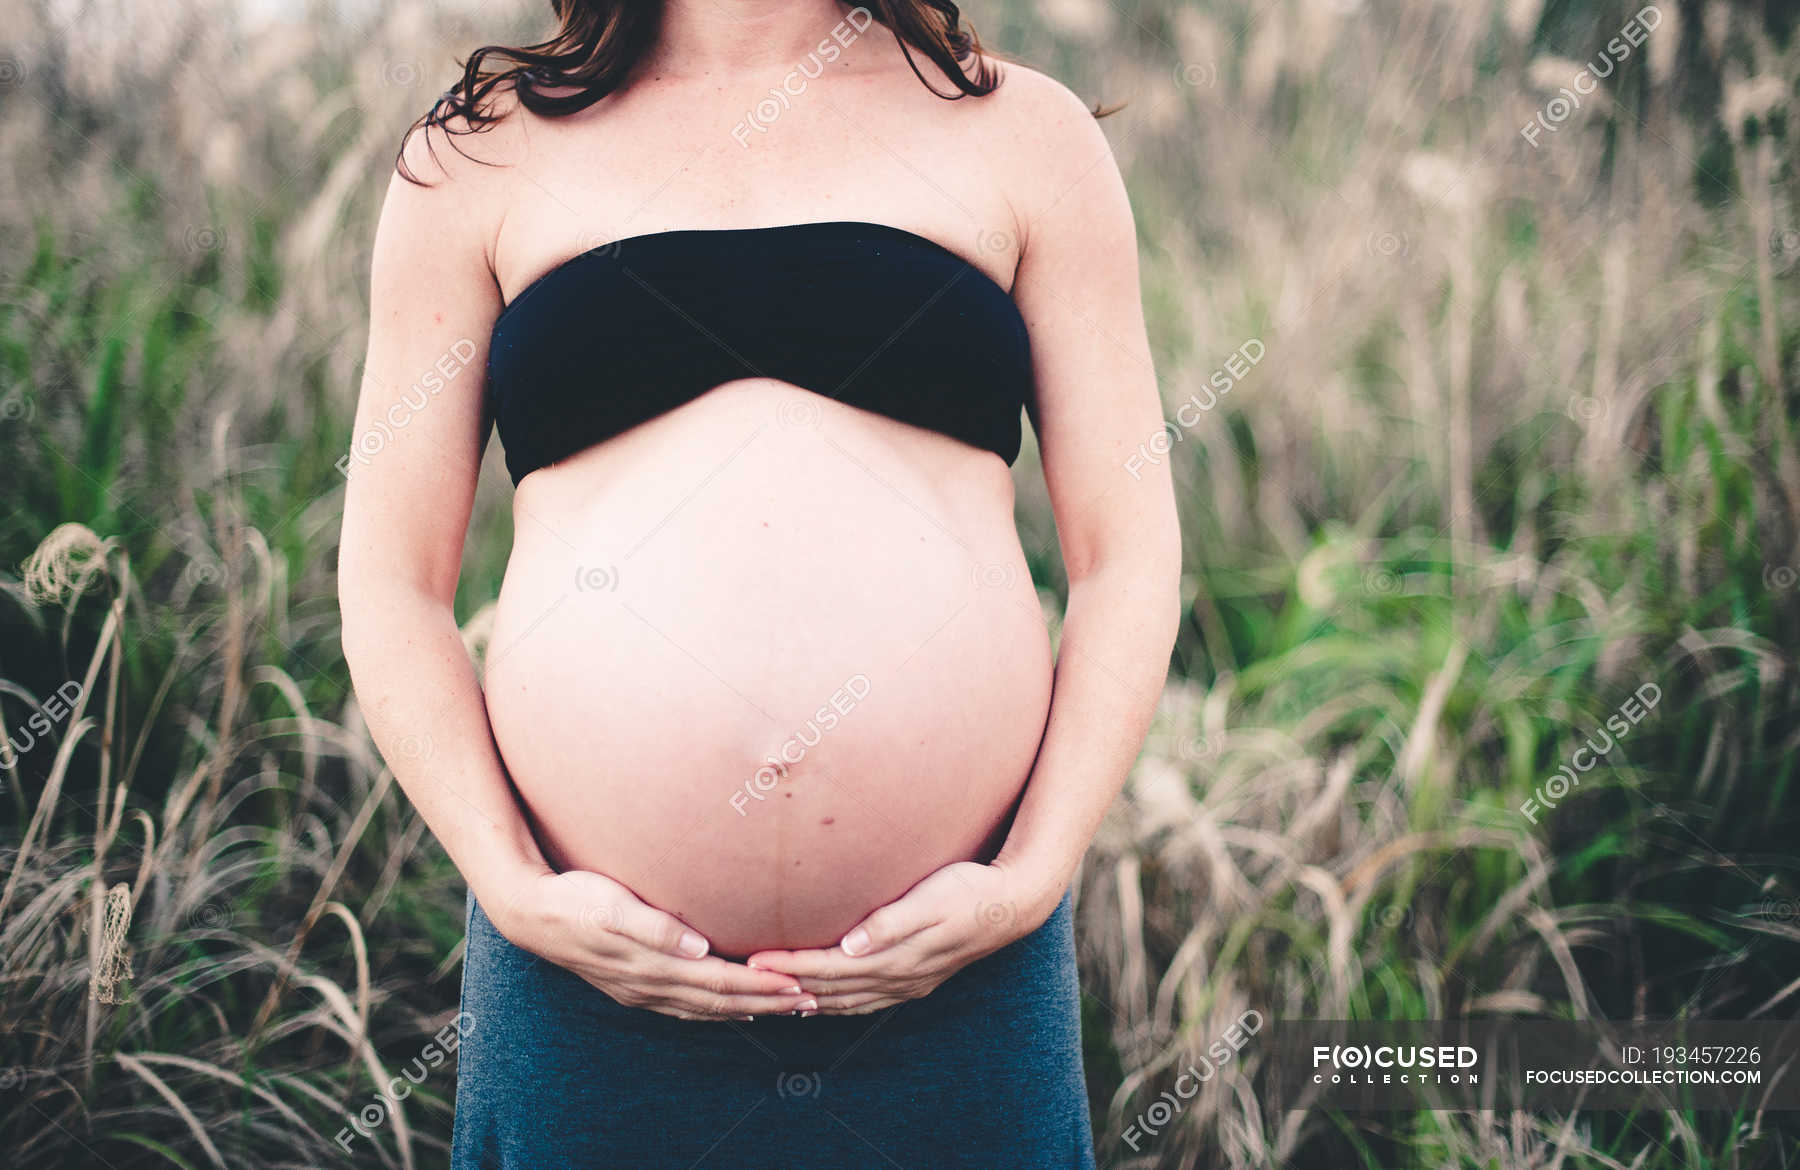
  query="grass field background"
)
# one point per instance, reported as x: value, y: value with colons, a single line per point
x: 1518, y: 450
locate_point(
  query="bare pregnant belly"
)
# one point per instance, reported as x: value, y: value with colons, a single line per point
x: 768, y: 660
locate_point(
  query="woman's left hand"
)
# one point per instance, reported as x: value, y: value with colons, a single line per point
x: 904, y: 950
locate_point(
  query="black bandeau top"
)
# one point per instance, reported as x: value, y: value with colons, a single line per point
x: 873, y: 316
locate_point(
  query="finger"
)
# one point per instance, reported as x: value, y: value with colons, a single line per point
x: 832, y: 963
x: 698, y: 1004
x: 705, y: 1005
x: 830, y: 970
x: 828, y: 963
x: 892, y: 990
x: 653, y: 928
x: 857, y: 1005
x: 892, y: 924
x: 820, y: 960
x: 719, y: 977
x: 903, y: 966
x: 853, y: 985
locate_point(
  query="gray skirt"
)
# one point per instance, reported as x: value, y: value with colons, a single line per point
x: 985, y: 1072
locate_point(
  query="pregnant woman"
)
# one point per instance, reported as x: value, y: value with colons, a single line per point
x: 769, y: 794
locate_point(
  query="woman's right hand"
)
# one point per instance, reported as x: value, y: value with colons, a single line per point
x: 637, y: 954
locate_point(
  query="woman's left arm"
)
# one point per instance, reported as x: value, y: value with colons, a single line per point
x: 1097, y: 410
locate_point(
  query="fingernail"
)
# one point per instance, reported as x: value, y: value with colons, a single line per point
x: 794, y: 990
x: 753, y: 964
x: 856, y: 942
x: 803, y: 1015
x: 692, y: 945
x: 746, y: 1019
x: 807, y: 1006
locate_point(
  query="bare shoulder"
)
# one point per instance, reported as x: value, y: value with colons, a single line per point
x: 453, y: 175
x: 457, y: 149
x: 1045, y: 113
x: 1050, y: 154
x: 1037, y: 96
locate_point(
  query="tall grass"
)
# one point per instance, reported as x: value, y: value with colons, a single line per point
x: 1521, y: 442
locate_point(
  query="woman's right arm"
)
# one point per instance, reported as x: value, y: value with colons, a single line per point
x: 415, y: 456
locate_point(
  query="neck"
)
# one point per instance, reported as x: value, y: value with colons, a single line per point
x: 726, y: 37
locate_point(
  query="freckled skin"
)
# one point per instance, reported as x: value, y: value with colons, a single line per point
x: 630, y: 717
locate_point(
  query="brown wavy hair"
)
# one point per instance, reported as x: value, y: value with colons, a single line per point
x: 598, y: 42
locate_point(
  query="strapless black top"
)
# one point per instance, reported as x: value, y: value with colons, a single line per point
x: 873, y: 316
